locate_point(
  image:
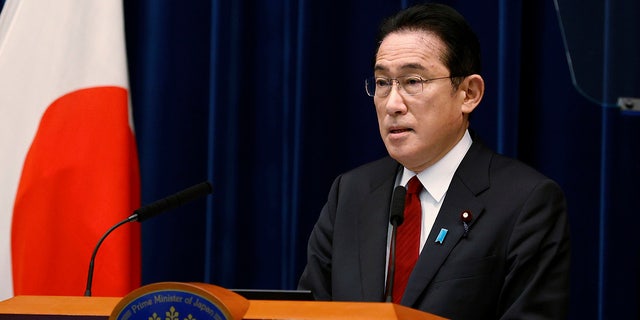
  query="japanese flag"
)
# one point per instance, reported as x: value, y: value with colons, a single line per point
x: 68, y: 153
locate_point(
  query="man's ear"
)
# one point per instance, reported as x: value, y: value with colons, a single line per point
x: 473, y: 86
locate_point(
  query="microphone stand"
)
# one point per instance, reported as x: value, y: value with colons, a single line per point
x: 396, y: 217
x: 87, y: 292
x: 149, y: 211
x: 392, y: 258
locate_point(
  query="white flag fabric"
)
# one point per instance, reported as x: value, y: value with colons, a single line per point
x: 69, y: 160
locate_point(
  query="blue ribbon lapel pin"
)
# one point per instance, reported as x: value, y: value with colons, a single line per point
x: 441, y: 235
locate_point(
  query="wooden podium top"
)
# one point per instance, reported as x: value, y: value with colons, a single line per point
x: 63, y: 307
x: 312, y: 310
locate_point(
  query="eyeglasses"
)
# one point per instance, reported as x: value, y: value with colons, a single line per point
x: 381, y: 86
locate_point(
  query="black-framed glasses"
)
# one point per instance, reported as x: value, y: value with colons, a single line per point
x: 412, y: 85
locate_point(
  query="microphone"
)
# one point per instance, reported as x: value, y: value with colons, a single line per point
x: 170, y: 202
x: 396, y: 218
x: 149, y: 211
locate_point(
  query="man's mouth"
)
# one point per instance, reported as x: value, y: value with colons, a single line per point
x: 399, y: 130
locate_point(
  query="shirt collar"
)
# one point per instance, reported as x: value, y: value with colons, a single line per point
x: 436, y: 178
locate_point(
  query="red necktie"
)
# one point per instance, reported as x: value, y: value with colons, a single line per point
x: 408, y: 239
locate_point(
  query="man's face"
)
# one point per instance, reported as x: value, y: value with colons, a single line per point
x: 418, y: 130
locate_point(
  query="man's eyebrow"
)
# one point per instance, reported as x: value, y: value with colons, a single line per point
x: 411, y: 66
x: 378, y: 67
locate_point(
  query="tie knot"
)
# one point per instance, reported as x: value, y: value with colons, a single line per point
x: 414, y: 186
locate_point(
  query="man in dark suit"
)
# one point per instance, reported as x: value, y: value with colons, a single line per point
x: 494, y: 240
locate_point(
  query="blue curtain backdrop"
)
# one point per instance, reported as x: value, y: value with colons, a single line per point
x: 265, y: 99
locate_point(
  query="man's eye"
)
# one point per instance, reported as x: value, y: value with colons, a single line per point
x: 380, y: 82
x: 412, y: 81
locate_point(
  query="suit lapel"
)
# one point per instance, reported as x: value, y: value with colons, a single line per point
x: 373, y: 219
x: 470, y: 179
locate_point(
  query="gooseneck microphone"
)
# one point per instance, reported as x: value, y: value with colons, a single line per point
x: 396, y: 217
x: 149, y: 211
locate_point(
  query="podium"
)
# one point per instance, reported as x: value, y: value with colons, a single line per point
x: 185, y: 299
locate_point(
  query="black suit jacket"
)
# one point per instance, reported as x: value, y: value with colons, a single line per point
x: 513, y: 263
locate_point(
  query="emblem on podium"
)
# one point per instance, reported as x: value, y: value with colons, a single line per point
x: 180, y: 301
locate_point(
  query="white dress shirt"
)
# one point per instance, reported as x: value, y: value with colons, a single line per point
x: 435, y: 181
